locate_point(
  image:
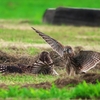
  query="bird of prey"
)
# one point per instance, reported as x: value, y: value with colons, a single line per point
x: 44, y: 65
x: 81, y: 62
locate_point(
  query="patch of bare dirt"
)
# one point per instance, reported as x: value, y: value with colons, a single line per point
x: 66, y: 81
x: 62, y: 82
x: 91, y: 77
x: 8, y: 59
x: 88, y: 77
x: 44, y: 85
x: 4, y: 86
x: 4, y: 57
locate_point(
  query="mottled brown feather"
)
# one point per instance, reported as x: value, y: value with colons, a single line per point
x: 58, y: 47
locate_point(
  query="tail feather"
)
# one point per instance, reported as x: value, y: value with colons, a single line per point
x: 3, y: 68
x: 10, y: 69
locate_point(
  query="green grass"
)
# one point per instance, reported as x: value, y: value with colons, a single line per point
x: 34, y: 10
x: 83, y: 91
x: 22, y: 40
x: 25, y: 79
x: 31, y: 51
x: 86, y: 91
x: 18, y: 39
x: 17, y: 35
x: 64, y: 34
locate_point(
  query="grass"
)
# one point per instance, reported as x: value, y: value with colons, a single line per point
x: 21, y: 79
x: 34, y: 10
x: 17, y: 38
x: 14, y: 50
x: 83, y: 91
x: 86, y: 91
x: 71, y: 35
x: 21, y: 39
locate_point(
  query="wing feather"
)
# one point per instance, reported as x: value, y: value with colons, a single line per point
x: 88, y: 60
x: 56, y: 46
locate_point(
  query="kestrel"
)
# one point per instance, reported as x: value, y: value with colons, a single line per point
x: 81, y: 62
x: 44, y: 65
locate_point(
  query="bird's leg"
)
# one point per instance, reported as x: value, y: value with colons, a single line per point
x: 55, y: 73
x: 72, y: 71
x: 68, y: 69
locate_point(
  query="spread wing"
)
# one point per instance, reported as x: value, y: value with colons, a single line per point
x: 41, y: 67
x: 56, y: 46
x: 88, y: 60
x: 37, y: 67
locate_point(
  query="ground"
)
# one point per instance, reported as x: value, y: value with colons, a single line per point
x: 20, y: 44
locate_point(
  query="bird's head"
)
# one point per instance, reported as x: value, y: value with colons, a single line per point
x: 45, y: 57
x: 68, y: 51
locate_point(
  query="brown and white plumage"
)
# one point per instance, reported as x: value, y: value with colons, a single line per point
x: 9, y: 69
x: 19, y: 68
x: 44, y: 65
x: 86, y: 60
x: 82, y: 62
x: 52, y: 42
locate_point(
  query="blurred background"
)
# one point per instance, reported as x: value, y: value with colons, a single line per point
x: 19, y: 44
x: 33, y: 10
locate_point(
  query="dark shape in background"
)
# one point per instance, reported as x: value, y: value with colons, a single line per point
x: 72, y: 16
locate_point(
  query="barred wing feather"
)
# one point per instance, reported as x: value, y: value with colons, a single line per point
x: 58, y: 47
x: 89, y: 59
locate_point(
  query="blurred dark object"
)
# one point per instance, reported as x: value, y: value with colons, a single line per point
x: 10, y: 69
x: 49, y: 15
x: 72, y: 16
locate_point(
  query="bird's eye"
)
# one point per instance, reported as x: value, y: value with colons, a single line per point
x: 69, y: 50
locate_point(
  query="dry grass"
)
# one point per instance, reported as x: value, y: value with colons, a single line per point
x: 88, y: 37
x: 9, y: 44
